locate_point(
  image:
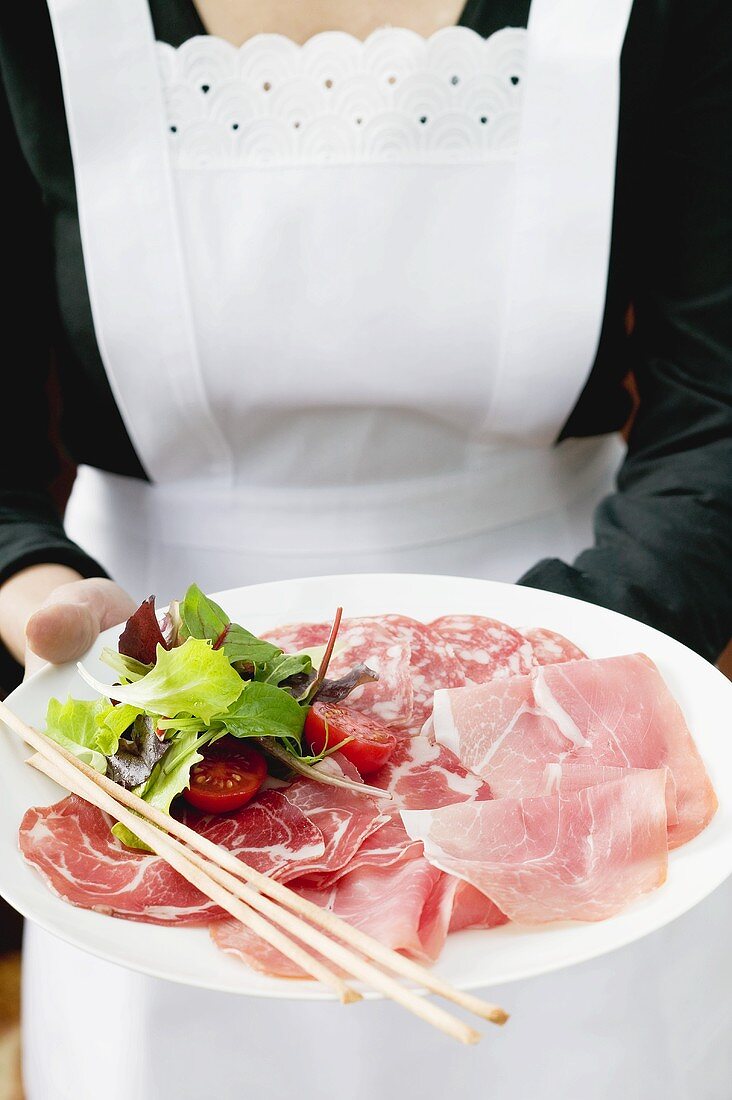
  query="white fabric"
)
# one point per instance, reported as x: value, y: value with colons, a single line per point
x: 395, y: 98
x: 306, y: 358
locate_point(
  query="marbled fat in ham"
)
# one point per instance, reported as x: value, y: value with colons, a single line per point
x: 422, y: 774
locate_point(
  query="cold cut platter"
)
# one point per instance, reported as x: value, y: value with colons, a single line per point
x: 492, y: 780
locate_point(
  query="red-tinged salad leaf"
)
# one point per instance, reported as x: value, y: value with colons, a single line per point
x: 142, y: 634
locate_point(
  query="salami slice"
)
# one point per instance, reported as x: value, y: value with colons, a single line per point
x: 432, y: 664
x: 486, y: 648
x: 550, y: 648
x: 367, y: 641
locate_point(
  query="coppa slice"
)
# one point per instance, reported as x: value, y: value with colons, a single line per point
x: 344, y: 819
x: 550, y: 648
x: 366, y: 641
x: 432, y: 664
x: 614, y: 711
x: 72, y: 845
x: 422, y: 775
x: 407, y: 907
x: 579, y: 856
x: 486, y: 648
x: 386, y: 846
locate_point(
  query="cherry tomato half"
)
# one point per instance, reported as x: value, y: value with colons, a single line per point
x: 329, y: 724
x: 229, y: 775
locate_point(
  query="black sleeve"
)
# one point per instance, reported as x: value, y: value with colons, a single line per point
x: 31, y: 530
x: 663, y: 541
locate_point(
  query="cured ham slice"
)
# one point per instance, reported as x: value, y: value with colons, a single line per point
x: 432, y: 664
x: 368, y: 641
x: 486, y: 648
x: 574, y: 776
x: 422, y: 774
x: 550, y: 648
x: 471, y: 909
x: 615, y: 711
x: 344, y: 819
x: 625, y: 715
x: 407, y: 907
x: 72, y: 845
x: 584, y: 855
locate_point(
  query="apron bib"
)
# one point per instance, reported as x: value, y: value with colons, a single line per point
x: 346, y: 295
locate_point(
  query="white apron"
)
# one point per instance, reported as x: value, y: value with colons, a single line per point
x: 346, y: 295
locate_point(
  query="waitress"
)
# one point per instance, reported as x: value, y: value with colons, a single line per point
x: 356, y: 297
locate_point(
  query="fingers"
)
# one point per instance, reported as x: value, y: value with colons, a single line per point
x: 72, y: 617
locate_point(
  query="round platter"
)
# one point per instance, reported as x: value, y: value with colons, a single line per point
x: 470, y: 959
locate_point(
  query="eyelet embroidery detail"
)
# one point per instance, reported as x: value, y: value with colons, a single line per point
x: 395, y: 98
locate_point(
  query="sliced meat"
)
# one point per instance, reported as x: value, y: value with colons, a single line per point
x: 367, y: 641
x: 72, y: 845
x: 471, y: 909
x: 486, y: 648
x: 625, y: 715
x: 432, y: 664
x: 550, y: 648
x: 616, y: 711
x: 584, y: 855
x: 500, y: 733
x: 387, y: 845
x: 344, y: 819
x: 573, y: 776
x: 271, y: 834
x: 423, y: 775
x: 407, y: 907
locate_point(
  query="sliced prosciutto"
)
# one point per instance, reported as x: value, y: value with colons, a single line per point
x: 421, y: 774
x: 367, y: 641
x: 72, y: 845
x: 472, y: 909
x: 432, y: 664
x: 550, y: 648
x: 615, y: 711
x: 584, y: 855
x: 573, y: 776
x: 486, y: 648
x: 407, y: 907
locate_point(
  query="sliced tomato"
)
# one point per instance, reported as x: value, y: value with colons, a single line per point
x: 229, y: 775
x: 329, y: 724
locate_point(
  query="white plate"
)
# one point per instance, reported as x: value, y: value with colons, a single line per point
x: 470, y: 959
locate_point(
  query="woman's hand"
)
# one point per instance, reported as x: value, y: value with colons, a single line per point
x: 48, y: 613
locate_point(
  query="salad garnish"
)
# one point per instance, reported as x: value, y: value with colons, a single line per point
x: 189, y: 680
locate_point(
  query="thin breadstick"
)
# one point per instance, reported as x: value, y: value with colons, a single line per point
x: 356, y: 938
x: 213, y: 881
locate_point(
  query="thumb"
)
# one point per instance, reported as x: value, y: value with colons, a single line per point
x: 65, y: 626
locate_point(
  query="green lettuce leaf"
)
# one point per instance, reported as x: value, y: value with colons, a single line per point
x: 203, y: 618
x: 127, y: 668
x: 263, y: 710
x: 75, y: 725
x: 192, y: 679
